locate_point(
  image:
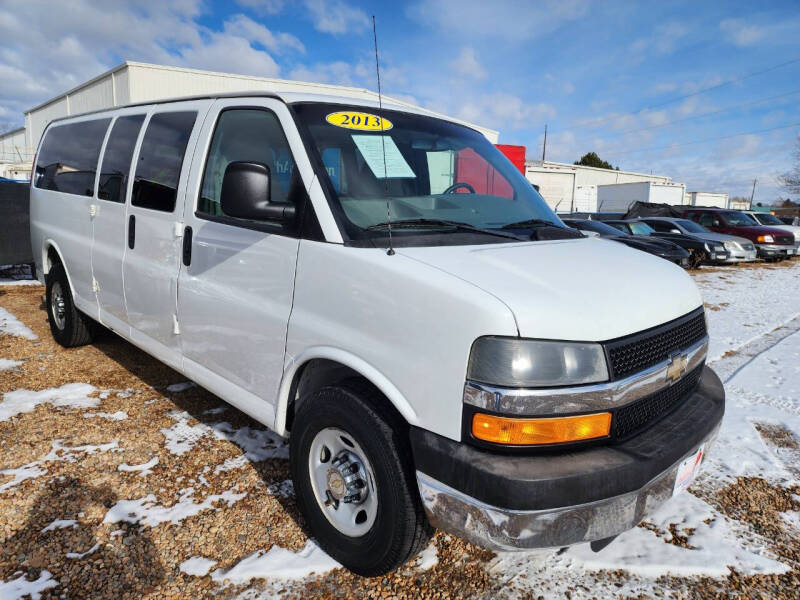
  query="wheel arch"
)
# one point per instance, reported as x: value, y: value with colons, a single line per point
x: 324, y: 365
x: 51, y: 254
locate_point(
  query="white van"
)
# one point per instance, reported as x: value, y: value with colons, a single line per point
x: 386, y: 290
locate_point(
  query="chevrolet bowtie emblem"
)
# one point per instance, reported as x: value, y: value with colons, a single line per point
x: 677, y: 366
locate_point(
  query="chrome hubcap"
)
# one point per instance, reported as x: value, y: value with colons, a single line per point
x: 57, y: 306
x: 343, y: 482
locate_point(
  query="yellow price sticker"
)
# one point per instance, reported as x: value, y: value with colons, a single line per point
x: 359, y: 120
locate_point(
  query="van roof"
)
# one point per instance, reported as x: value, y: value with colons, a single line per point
x: 286, y: 97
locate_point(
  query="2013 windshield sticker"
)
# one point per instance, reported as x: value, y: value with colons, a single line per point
x: 359, y: 120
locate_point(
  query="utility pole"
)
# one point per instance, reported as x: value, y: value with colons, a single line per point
x: 544, y: 145
x: 753, y: 193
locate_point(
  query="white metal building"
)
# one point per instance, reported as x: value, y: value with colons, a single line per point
x: 709, y: 199
x: 618, y: 197
x: 133, y: 82
x: 573, y: 188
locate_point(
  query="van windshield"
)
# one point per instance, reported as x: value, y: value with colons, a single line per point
x: 429, y: 177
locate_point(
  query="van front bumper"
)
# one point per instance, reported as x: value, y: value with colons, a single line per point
x: 517, y: 502
x: 774, y: 250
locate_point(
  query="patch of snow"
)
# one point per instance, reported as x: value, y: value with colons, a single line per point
x: 7, y: 364
x: 278, y: 563
x: 258, y: 444
x: 10, y: 325
x: 16, y: 589
x: 148, y: 512
x: 182, y: 437
x: 74, y: 395
x: 215, y: 411
x: 120, y: 415
x: 428, y: 558
x: 232, y: 463
x: 59, y: 451
x: 143, y: 469
x: 20, y: 474
x: 197, y: 566
x: 181, y: 387
x: 83, y: 554
x: 61, y: 524
x: 10, y: 281
x: 284, y: 489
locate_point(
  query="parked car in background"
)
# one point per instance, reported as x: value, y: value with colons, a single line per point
x: 438, y: 347
x: 738, y: 249
x: 771, y: 220
x: 700, y: 251
x: 662, y: 248
x: 771, y: 243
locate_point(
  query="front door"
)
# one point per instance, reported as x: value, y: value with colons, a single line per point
x: 108, y: 224
x: 235, y: 290
x: 153, y: 228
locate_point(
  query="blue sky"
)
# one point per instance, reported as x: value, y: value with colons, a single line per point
x: 625, y: 79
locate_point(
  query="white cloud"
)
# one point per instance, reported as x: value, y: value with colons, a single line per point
x: 48, y: 48
x: 467, y: 64
x: 501, y: 109
x: 262, y: 7
x: 663, y: 40
x: 336, y: 16
x: 740, y: 32
x: 499, y: 18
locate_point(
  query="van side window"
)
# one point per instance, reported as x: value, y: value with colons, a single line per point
x: 251, y: 135
x: 155, y: 184
x: 117, y: 158
x: 68, y: 158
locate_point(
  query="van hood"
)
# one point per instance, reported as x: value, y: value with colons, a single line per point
x: 582, y: 290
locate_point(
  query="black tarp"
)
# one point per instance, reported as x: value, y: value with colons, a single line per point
x: 15, y: 230
x: 648, y: 209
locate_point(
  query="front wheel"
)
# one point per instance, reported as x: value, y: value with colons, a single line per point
x: 354, y: 479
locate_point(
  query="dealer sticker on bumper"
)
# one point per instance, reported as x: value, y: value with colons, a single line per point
x: 687, y: 471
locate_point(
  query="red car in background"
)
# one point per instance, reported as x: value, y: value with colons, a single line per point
x: 771, y: 243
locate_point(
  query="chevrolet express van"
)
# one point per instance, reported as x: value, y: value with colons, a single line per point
x: 384, y: 289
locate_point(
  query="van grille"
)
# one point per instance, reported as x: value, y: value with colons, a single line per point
x: 638, y: 415
x: 643, y: 350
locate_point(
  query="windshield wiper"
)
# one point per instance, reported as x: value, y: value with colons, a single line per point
x: 421, y: 222
x: 531, y: 223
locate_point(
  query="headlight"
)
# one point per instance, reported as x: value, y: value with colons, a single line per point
x: 732, y: 246
x: 515, y: 362
x: 765, y: 239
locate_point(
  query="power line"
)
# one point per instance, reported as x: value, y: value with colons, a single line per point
x: 597, y: 122
x: 712, y: 139
x: 705, y: 114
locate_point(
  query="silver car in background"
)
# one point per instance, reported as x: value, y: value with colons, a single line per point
x: 739, y: 249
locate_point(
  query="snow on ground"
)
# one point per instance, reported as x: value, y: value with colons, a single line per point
x: 120, y: 415
x: 148, y: 512
x: 60, y: 524
x: 16, y: 589
x: 79, y: 555
x: 197, y: 566
x: 143, y: 469
x: 278, y: 563
x: 75, y: 395
x: 10, y: 325
x: 745, y: 303
x: 8, y: 364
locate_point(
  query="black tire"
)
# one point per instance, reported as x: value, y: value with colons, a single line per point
x: 75, y: 328
x: 400, y: 529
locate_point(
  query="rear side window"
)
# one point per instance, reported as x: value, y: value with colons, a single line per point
x: 155, y: 185
x: 68, y: 158
x: 249, y: 135
x: 117, y: 158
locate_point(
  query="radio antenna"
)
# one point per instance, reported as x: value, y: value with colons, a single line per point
x: 390, y: 251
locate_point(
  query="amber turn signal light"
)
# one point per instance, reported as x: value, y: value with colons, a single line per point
x: 530, y: 432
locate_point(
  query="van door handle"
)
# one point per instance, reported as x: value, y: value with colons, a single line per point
x: 131, y: 231
x: 187, y: 246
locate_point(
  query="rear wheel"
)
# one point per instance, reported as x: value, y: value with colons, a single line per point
x: 69, y: 326
x: 354, y: 479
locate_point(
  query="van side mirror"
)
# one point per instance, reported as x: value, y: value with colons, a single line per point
x: 246, y: 194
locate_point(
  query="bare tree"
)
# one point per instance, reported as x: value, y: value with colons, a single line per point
x: 791, y: 179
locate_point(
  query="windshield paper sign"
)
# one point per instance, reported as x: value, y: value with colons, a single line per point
x: 359, y: 120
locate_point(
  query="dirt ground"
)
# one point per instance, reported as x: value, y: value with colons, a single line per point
x: 195, y: 477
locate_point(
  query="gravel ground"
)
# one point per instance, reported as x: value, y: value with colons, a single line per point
x: 115, y: 477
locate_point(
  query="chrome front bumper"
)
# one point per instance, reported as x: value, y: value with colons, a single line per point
x: 502, y: 529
